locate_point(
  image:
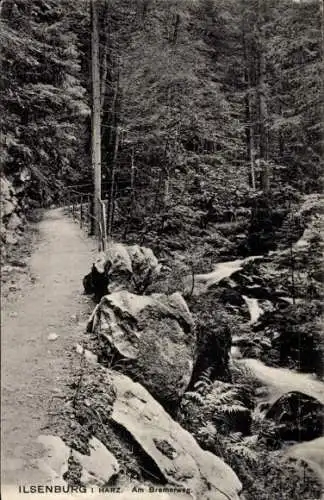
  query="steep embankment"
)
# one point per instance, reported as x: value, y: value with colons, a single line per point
x: 12, y: 218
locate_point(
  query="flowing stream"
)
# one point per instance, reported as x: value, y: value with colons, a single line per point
x: 254, y: 308
x: 276, y: 381
x: 282, y: 380
x: 221, y: 270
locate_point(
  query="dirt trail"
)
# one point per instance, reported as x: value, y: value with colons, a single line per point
x: 35, y: 369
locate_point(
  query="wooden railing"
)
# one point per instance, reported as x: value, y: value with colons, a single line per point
x: 80, y: 207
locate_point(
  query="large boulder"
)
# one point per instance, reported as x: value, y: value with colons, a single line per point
x: 298, y: 417
x: 154, y: 334
x: 122, y: 267
x: 180, y: 460
x: 161, y: 454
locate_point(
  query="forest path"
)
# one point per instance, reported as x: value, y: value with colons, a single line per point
x: 34, y: 368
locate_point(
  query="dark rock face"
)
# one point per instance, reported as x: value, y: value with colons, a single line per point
x: 299, y: 417
x: 231, y: 296
x: 296, y: 334
x: 88, y: 284
x: 241, y: 422
x: 95, y: 283
x: 121, y: 267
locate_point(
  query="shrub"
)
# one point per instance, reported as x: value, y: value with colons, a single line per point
x: 214, y: 327
x: 297, y: 335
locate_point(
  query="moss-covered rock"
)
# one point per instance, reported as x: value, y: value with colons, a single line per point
x: 152, y: 337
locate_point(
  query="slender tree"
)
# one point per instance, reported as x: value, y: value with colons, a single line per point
x: 96, y: 113
x: 262, y: 99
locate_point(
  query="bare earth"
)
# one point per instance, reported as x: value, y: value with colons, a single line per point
x: 35, y: 370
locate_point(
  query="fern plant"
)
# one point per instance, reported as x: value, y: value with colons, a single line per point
x: 204, y: 383
x: 221, y: 403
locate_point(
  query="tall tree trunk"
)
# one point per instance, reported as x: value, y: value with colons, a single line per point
x: 1, y: 7
x: 281, y: 140
x: 249, y: 128
x: 176, y: 29
x: 321, y: 2
x: 262, y: 98
x: 322, y: 70
x: 132, y: 195
x: 104, y: 72
x: 132, y: 175
x: 166, y: 188
x: 96, y: 121
x: 251, y: 146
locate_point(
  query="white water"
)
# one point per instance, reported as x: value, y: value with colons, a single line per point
x: 254, y: 309
x: 282, y: 380
x: 277, y: 380
x: 221, y: 270
x: 236, y: 352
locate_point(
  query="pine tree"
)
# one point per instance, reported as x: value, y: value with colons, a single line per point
x: 42, y: 97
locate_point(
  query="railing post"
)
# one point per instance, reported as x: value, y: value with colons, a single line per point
x: 100, y: 239
x: 73, y: 207
x: 103, y: 225
x: 89, y: 216
x: 92, y: 217
x: 81, y: 211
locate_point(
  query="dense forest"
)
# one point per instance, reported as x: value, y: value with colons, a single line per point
x: 212, y: 141
x: 221, y: 96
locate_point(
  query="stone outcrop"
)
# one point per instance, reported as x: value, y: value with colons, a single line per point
x: 170, y: 453
x: 122, y: 267
x: 96, y: 468
x: 175, y: 452
x: 298, y: 417
x: 153, y: 334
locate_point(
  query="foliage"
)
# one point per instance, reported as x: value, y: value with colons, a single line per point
x: 208, y: 413
x: 269, y: 476
x: 181, y: 111
x: 296, y: 335
x: 270, y: 214
x: 44, y: 108
x: 221, y: 404
x: 214, y: 327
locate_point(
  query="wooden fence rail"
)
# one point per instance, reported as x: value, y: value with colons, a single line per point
x: 80, y: 207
